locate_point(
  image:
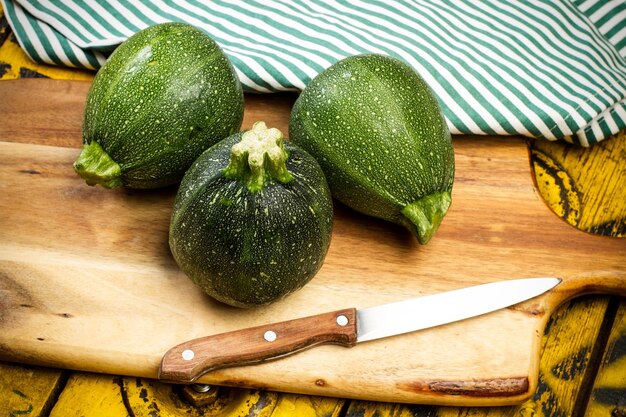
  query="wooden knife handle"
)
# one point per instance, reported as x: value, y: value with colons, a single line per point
x: 188, y: 361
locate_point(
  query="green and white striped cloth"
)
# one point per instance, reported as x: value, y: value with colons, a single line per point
x: 552, y: 69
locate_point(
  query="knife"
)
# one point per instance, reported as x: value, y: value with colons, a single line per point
x: 186, y: 362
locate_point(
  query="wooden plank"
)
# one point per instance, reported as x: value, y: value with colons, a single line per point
x: 28, y: 390
x: 373, y: 409
x: 57, y: 119
x: 604, y: 393
x: 145, y: 397
x: 584, y: 186
x: 565, y: 368
x: 90, y: 395
x: 149, y: 397
x: 95, y: 395
x: 63, y: 314
x: 289, y: 405
x: 556, y: 191
x: 608, y: 397
x: 120, y: 243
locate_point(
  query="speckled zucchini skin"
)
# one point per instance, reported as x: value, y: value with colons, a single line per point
x: 251, y: 249
x: 163, y: 97
x: 377, y: 130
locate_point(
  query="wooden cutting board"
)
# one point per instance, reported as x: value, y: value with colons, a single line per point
x: 87, y: 281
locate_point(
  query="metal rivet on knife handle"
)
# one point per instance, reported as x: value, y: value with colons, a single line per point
x: 269, y: 336
x: 243, y: 347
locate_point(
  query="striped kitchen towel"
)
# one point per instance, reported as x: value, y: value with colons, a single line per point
x: 552, y: 69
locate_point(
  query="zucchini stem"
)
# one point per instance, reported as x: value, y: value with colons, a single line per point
x: 97, y: 167
x: 260, y: 157
x: 424, y: 215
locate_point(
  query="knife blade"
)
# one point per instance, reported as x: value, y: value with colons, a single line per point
x: 186, y: 362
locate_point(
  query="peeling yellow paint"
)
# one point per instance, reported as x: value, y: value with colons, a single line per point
x: 584, y: 186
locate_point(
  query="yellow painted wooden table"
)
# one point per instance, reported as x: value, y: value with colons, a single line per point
x: 583, y: 363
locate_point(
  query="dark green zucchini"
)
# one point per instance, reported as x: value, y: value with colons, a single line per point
x: 252, y: 219
x: 377, y: 130
x: 163, y: 97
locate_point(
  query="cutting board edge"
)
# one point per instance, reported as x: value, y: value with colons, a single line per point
x: 610, y: 282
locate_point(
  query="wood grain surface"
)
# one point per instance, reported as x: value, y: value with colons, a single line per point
x: 256, y: 344
x: 581, y: 369
x: 88, y: 271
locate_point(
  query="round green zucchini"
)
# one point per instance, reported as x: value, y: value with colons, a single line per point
x: 252, y: 219
x: 163, y: 97
x: 377, y: 130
